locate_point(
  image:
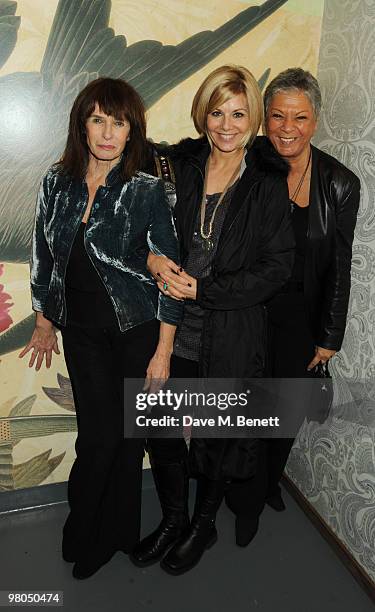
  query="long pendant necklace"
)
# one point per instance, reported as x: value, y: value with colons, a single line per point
x: 300, y: 183
x: 207, y: 235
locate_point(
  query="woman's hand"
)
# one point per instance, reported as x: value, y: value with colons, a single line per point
x: 160, y: 266
x: 171, y: 279
x: 321, y: 355
x: 158, y: 371
x: 159, y: 367
x: 180, y: 287
x: 43, y: 342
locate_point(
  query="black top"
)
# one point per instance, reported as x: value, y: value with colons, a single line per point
x: 300, y: 217
x: 87, y: 299
x: 188, y: 335
x: 300, y: 220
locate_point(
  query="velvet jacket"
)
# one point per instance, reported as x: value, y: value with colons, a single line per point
x: 127, y: 219
x: 253, y: 260
x: 334, y: 202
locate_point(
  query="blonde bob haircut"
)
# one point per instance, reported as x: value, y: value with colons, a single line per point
x: 217, y: 88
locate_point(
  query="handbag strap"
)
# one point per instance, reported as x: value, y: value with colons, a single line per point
x: 321, y: 370
x: 165, y: 171
x: 164, y: 168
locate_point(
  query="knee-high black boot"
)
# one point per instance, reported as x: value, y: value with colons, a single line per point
x: 202, y: 533
x: 172, y: 485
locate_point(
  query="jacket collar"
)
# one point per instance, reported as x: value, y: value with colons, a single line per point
x: 262, y: 155
x: 261, y: 158
x: 114, y: 175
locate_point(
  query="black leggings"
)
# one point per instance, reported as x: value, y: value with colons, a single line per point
x: 104, y: 489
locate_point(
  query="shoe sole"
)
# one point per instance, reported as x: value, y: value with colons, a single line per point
x: 178, y: 572
x: 153, y: 560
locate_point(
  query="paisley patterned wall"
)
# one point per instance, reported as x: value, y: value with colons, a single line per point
x: 334, y: 465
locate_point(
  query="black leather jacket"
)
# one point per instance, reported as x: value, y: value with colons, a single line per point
x: 334, y: 201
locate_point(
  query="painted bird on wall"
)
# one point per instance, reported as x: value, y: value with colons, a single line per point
x: 34, y: 106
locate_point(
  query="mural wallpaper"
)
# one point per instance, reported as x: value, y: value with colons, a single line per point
x: 334, y: 465
x: 48, y: 52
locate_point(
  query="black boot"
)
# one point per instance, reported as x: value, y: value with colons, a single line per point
x: 246, y: 529
x: 172, y: 485
x: 274, y: 499
x: 202, y: 533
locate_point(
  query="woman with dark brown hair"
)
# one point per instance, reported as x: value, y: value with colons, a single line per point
x: 95, y: 219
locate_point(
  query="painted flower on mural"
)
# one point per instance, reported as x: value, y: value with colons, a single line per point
x: 5, y: 305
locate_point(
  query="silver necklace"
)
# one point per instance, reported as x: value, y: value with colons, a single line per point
x: 207, y: 235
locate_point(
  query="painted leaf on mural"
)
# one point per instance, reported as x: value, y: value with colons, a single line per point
x: 17, y: 336
x: 39, y: 425
x: 33, y: 472
x: 6, y: 406
x: 23, y: 408
x: 19, y: 425
x: 9, y: 25
x: 63, y: 396
x: 6, y: 465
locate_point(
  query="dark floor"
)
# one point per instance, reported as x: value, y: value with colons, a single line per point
x: 287, y: 568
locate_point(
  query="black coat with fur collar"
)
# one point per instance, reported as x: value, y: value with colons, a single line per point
x: 253, y: 260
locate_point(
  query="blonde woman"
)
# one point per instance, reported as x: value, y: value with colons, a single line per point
x: 236, y: 248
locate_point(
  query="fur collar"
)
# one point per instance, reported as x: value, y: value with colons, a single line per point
x: 196, y: 150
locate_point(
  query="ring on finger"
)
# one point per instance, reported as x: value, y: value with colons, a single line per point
x: 165, y: 286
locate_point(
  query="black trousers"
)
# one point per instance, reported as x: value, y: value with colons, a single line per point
x: 290, y: 349
x: 104, y: 489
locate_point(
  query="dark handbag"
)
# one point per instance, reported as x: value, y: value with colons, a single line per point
x: 321, y: 396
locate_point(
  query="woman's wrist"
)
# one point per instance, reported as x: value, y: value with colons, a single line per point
x: 164, y: 350
x: 42, y: 323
